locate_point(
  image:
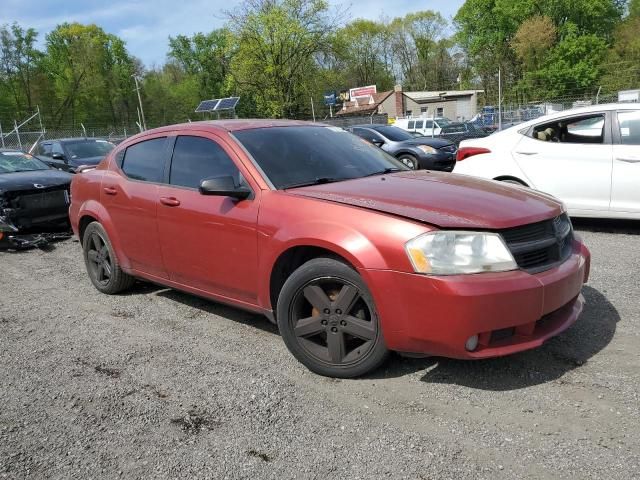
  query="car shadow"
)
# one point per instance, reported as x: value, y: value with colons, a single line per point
x: 593, y: 331
x: 605, y: 225
x: 208, y: 306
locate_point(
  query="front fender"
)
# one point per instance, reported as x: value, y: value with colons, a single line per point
x: 335, y: 237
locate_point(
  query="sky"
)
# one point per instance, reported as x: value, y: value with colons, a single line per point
x: 145, y: 25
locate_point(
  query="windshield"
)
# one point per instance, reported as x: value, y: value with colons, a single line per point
x: 296, y: 156
x: 11, y: 162
x: 89, y: 148
x: 395, y: 134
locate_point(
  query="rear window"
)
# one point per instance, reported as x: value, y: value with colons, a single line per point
x: 145, y: 160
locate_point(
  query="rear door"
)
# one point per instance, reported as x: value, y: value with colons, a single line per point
x: 570, y: 158
x: 208, y: 242
x: 130, y: 195
x: 625, y: 192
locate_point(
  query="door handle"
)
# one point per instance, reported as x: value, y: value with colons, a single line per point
x: 169, y: 201
x: 110, y: 190
x: 629, y: 160
x: 527, y: 153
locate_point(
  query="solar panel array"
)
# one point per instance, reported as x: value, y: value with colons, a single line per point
x: 218, y: 104
x: 207, y: 105
x: 228, y: 103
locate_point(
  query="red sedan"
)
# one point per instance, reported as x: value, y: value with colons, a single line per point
x: 352, y: 254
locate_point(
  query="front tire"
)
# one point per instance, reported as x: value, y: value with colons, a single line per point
x: 328, y: 321
x: 410, y: 161
x: 101, y: 262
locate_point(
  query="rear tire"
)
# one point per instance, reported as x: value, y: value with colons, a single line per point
x: 409, y: 161
x: 328, y: 320
x: 101, y: 262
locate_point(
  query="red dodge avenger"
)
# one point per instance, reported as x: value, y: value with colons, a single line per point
x: 348, y: 251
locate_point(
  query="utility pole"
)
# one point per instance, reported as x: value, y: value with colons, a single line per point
x: 499, y: 98
x: 313, y: 110
x: 144, y: 122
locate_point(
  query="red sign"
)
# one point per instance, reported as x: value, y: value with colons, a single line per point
x: 362, y: 91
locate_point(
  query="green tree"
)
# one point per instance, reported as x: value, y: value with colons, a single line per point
x: 207, y: 57
x: 275, y: 57
x: 19, y: 61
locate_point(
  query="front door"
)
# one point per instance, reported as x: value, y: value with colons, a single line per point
x: 208, y: 242
x: 625, y: 192
x: 570, y: 158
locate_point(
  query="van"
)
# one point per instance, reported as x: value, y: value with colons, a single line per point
x: 426, y: 126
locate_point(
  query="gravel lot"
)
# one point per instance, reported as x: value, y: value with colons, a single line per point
x: 160, y: 384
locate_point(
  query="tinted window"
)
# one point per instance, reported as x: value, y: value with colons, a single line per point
x: 629, y: 127
x: 368, y: 135
x: 411, y: 124
x: 197, y: 158
x: 56, y: 148
x: 428, y: 124
x: 291, y: 156
x: 394, y: 134
x: 89, y: 148
x: 419, y: 124
x: 44, y: 149
x: 145, y: 160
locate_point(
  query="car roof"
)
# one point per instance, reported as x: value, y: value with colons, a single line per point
x: 234, y: 125
x: 580, y: 111
x: 371, y: 125
x: 73, y: 139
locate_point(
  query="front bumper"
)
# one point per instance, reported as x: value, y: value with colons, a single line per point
x: 441, y: 161
x: 509, y: 311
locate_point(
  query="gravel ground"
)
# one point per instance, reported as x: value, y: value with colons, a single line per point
x: 159, y: 384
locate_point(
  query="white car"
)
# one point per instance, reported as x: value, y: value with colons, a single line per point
x: 587, y: 157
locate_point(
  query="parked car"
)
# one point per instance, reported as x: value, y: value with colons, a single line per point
x: 349, y: 251
x: 587, y: 157
x: 415, y: 152
x: 34, y: 198
x: 426, y: 126
x: 70, y: 153
x: 456, y: 132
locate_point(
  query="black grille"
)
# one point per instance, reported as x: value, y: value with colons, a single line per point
x: 540, y: 246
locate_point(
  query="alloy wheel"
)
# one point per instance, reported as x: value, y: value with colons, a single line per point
x: 100, y: 263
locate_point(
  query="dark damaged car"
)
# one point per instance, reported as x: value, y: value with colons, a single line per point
x: 34, y: 200
x: 69, y: 154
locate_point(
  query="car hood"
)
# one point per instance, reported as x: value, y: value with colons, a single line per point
x: 76, y: 162
x: 432, y: 142
x: 441, y: 199
x: 20, y: 181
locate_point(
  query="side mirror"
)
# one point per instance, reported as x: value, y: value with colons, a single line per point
x: 377, y: 142
x: 223, y: 187
x: 57, y: 156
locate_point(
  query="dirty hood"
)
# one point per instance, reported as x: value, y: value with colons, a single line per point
x: 21, y: 181
x: 442, y: 199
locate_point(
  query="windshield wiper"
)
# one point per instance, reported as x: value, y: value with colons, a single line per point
x: 385, y: 171
x: 315, y: 181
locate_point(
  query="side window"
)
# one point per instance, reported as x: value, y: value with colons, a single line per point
x: 411, y: 125
x: 56, y: 148
x: 419, y: 124
x: 586, y: 129
x: 197, y: 158
x: 145, y: 160
x: 629, y: 123
x: 368, y: 135
x: 44, y: 149
x: 428, y: 124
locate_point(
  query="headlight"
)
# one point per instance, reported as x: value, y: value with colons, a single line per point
x: 454, y: 252
x: 427, y: 149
